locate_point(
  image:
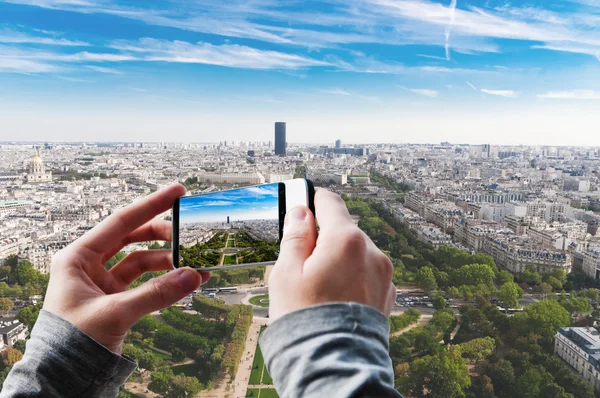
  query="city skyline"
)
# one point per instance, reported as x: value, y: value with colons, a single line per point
x: 245, y: 204
x: 374, y: 71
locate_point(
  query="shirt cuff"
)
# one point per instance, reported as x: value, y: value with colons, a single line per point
x: 323, y: 319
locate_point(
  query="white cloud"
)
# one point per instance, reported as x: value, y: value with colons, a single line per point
x: 16, y: 37
x: 572, y: 95
x: 432, y: 57
x: 501, y: 93
x: 230, y: 55
x: 102, y: 69
x: 25, y: 66
x: 336, y: 91
x: 421, y: 91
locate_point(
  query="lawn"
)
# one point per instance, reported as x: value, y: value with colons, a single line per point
x: 261, y: 301
x: 267, y: 379
x: 229, y: 260
x: 257, y: 367
x: 268, y: 393
x: 262, y: 393
x: 230, y: 243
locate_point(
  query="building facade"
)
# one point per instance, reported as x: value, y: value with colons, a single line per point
x: 580, y: 348
x: 280, y: 138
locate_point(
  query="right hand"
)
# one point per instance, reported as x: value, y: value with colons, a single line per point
x: 341, y: 264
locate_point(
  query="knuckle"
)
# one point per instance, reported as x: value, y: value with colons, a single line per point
x: 353, y: 241
x: 156, y: 293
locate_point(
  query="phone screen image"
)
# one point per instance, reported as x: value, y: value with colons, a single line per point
x: 233, y: 227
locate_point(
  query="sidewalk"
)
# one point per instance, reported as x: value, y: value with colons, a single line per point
x: 240, y: 384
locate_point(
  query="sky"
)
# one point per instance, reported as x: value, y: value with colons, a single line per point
x: 364, y: 71
x: 252, y: 203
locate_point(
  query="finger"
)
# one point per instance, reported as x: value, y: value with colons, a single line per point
x: 391, y: 300
x: 116, y: 227
x: 331, y: 211
x: 139, y: 262
x: 156, y: 229
x: 160, y: 292
x: 299, y: 239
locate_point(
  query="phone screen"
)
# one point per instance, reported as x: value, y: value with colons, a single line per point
x: 235, y: 227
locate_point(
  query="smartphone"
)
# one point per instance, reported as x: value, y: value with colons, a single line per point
x: 238, y: 228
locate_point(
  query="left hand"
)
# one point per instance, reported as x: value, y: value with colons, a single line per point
x: 96, y: 300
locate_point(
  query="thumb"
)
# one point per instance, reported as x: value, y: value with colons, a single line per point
x: 160, y: 292
x: 299, y: 238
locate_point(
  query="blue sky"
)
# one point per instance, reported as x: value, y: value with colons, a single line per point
x: 522, y: 72
x: 253, y: 203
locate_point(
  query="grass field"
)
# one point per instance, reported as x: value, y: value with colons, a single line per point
x: 230, y: 243
x: 229, y: 260
x: 259, y: 374
x: 261, y: 301
x: 257, y: 367
x: 261, y: 393
x: 268, y: 393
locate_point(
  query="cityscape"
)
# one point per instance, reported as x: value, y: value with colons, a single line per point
x: 460, y: 135
x: 532, y: 210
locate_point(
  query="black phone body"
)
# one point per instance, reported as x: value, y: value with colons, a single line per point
x: 237, y: 228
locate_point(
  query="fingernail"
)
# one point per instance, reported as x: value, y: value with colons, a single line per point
x: 188, y: 280
x: 296, y: 214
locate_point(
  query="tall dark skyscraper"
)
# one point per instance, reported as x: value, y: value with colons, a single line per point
x: 280, y: 138
x: 338, y: 143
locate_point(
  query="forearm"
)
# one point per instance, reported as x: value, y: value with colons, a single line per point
x: 62, y: 361
x: 335, y: 350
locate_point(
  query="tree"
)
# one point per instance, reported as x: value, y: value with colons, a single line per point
x: 25, y: 273
x: 5, y: 271
x: 503, y: 377
x: 425, y: 279
x: 531, y: 277
x: 178, y: 355
x: 184, y: 386
x: 577, y: 305
x: 510, y: 293
x: 12, y: 261
x: 115, y: 259
x: 555, y: 283
x: 146, y: 325
x: 439, y: 303
x: 453, y: 292
x: 483, y: 388
x: 29, y: 315
x: 10, y: 356
x: 160, y: 382
x: 20, y: 345
x: 504, y: 277
x: 532, y: 382
x: 6, y: 305
x: 478, y: 349
x: 544, y: 288
x: 473, y: 275
x: 444, y: 375
x: 543, y: 318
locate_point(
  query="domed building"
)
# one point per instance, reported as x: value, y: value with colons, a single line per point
x: 37, y: 170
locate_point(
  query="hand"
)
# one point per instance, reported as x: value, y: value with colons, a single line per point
x: 341, y: 264
x: 95, y: 300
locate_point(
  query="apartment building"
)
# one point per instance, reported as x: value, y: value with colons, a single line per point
x: 580, y: 348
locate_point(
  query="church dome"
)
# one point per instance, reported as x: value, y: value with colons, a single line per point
x: 37, y: 160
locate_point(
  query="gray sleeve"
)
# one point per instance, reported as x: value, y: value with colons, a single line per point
x: 62, y: 361
x: 333, y: 350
